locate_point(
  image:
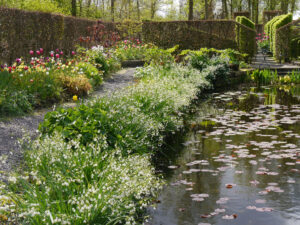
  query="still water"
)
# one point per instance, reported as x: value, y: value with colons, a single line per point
x: 238, y: 164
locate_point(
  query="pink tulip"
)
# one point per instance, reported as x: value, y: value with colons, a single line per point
x: 31, y: 52
x: 57, y: 55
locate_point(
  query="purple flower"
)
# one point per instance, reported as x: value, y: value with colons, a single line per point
x: 18, y: 60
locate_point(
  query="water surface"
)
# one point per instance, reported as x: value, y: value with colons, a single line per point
x: 239, y: 164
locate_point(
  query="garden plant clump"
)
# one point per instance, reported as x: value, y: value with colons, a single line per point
x: 45, y: 80
x: 92, y: 164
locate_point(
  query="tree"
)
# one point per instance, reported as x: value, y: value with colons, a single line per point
x: 73, y: 7
x: 191, y: 8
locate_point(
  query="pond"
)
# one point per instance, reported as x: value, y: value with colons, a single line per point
x: 238, y: 164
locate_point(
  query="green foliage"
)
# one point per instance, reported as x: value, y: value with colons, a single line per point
x: 131, y: 50
x: 36, y: 5
x: 216, y: 68
x: 93, y: 162
x: 295, y: 48
x: 284, y: 19
x: 267, y: 77
x: 158, y: 56
x: 246, y: 37
x: 22, y: 91
x: 91, y: 71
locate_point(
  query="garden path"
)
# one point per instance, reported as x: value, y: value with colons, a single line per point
x: 13, y: 129
x: 261, y: 61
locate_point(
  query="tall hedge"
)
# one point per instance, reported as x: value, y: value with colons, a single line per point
x: 295, y: 48
x: 246, y: 37
x: 269, y: 30
x: 279, y: 38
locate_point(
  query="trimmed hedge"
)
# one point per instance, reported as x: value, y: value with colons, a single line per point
x: 268, y: 29
x: 246, y: 38
x: 280, y: 40
x: 217, y: 34
x: 22, y: 31
x: 283, y: 37
x: 295, y: 48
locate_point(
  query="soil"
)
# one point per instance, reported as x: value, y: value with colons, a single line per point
x: 13, y: 129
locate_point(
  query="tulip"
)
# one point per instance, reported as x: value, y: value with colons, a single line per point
x: 57, y: 55
x: 38, y: 52
x: 61, y: 52
x: 31, y: 52
x: 41, y: 50
x: 18, y: 60
x: 26, y: 68
x: 73, y: 53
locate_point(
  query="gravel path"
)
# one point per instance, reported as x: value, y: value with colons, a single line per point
x: 13, y: 129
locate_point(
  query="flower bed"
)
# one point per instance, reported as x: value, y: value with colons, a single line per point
x: 91, y: 164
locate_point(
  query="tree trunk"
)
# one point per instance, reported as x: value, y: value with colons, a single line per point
x: 293, y: 6
x: 191, y: 7
x: 284, y: 6
x: 112, y: 10
x: 138, y: 9
x: 152, y: 8
x: 224, y: 10
x: 129, y: 9
x: 206, y: 9
x: 73, y: 4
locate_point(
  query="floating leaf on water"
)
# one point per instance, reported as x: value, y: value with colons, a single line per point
x: 229, y: 217
x: 230, y: 185
x: 260, y: 201
x: 205, y: 216
x: 222, y: 200
x: 251, y: 207
x: 198, y: 199
x: 173, y: 167
x: 254, y: 182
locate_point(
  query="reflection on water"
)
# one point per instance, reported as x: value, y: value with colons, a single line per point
x: 239, y: 164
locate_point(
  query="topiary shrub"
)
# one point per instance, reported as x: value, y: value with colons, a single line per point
x: 246, y: 37
x: 269, y: 30
x: 281, y: 40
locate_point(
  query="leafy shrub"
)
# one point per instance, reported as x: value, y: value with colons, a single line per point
x: 91, y: 72
x: 75, y: 85
x: 131, y: 50
x: 15, y: 102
